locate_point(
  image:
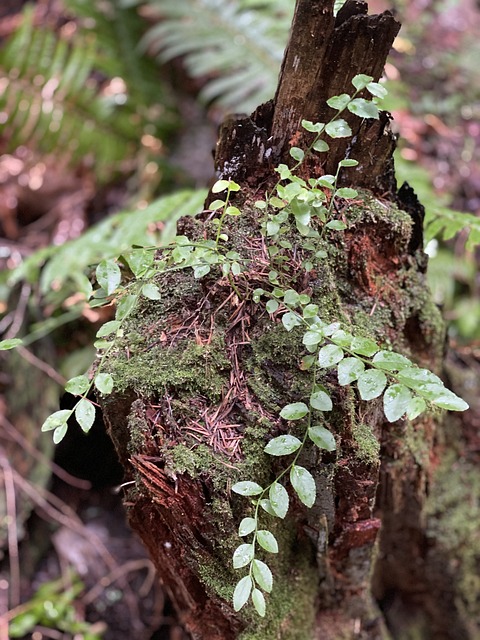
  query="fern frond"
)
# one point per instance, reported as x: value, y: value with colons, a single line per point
x: 119, y: 29
x: 237, y: 43
x: 51, y: 94
x: 48, y: 100
x: 63, y: 270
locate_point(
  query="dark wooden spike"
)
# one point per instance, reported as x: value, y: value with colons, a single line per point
x: 311, y: 32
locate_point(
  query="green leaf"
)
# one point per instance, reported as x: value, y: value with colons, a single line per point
x: 125, y: 305
x: 322, y: 438
x: 233, y: 186
x: 283, y: 445
x: 391, y: 361
x: 326, y: 181
x: 297, y: 154
x: 260, y: 204
x: 294, y: 411
x: 11, y: 343
x: 263, y: 575
x: 342, y: 338
x: 216, y: 205
x: 416, y: 406
x: 59, y: 433
x: 291, y: 297
x: 246, y: 488
x: 108, y: 328
x: 304, y: 485
x: 330, y: 355
x: 321, y: 401
x: 361, y: 80
x: 279, y: 499
x: 272, y: 306
x: 312, y: 338
x: 233, y: 211
x: 267, y: 541
x: 338, y: 129
x: 151, y: 291
x: 56, y: 419
x: 104, y: 383
x: 242, y: 593
x: 364, y: 346
x: 336, y: 225
x: 349, y: 370
x: 396, y: 401
x: 108, y: 275
x: 415, y: 378
x: 272, y: 228
x: 321, y: 146
x: 377, y: 89
x: 316, y: 127
x: 219, y: 186
x: 348, y: 162
x: 346, y: 192
x: 450, y: 401
x: 371, y: 384
x: 310, y: 311
x: 77, y: 385
x: 243, y: 555
x: 247, y: 525
x: 85, y: 414
x: 258, y: 600
x: 364, y: 108
x: 290, y: 320
x: 139, y: 261
x: 201, y: 270
x: 266, y: 506
x: 339, y: 102
x: 276, y: 202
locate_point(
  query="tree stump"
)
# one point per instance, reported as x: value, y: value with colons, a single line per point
x: 200, y: 379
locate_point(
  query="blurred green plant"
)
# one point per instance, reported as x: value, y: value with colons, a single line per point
x: 235, y: 46
x: 84, y: 91
x: 53, y: 607
x: 58, y: 272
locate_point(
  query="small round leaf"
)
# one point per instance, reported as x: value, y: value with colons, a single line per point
x: 283, y: 445
x: 246, y: 488
x: 294, y: 411
x: 322, y: 438
x: 267, y: 541
x: 304, y: 485
x: 243, y: 555
x: 242, y: 593
x: 262, y: 575
x: 279, y: 499
x: 85, y: 414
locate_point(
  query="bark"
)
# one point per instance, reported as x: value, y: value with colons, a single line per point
x: 200, y: 380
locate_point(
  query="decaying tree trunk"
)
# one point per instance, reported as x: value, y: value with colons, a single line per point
x: 205, y: 372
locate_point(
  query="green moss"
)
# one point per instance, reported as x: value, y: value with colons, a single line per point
x: 188, y: 367
x: 453, y: 510
x: 367, y: 447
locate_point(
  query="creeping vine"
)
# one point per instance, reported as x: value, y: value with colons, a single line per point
x: 407, y: 389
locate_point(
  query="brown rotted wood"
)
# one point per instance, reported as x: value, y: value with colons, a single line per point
x: 323, y: 55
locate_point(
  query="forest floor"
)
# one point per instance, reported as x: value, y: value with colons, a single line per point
x: 435, y: 101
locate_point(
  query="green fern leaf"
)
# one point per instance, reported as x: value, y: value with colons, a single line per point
x: 238, y: 45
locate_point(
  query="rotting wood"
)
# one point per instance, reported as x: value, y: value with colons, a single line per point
x: 328, y: 553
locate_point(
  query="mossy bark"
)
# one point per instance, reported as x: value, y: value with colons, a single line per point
x: 200, y: 378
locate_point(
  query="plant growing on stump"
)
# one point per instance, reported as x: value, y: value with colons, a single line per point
x: 287, y: 332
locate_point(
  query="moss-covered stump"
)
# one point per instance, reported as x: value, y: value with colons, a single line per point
x: 202, y: 375
x: 200, y: 380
